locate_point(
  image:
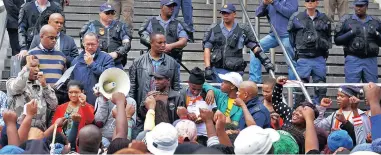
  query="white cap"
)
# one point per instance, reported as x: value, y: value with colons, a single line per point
x: 186, y: 128
x: 364, y: 153
x: 233, y: 77
x: 255, y: 140
x: 162, y: 139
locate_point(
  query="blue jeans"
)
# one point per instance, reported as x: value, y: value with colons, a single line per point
x: 216, y: 71
x: 317, y: 68
x: 269, y: 41
x: 186, y: 6
x: 357, y: 69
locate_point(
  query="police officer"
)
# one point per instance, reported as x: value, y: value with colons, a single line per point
x: 114, y: 36
x: 223, y: 44
x: 359, y: 33
x: 174, y: 30
x: 310, y: 36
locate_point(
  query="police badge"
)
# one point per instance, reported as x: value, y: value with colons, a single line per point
x: 101, y: 31
x: 225, y: 6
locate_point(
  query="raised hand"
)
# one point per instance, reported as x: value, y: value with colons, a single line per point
x: 206, y: 115
x: 325, y: 102
x: 31, y: 108
x: 281, y: 80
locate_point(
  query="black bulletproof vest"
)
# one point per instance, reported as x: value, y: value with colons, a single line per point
x: 226, y: 53
x: 170, y: 32
x: 308, y: 40
x: 362, y: 45
x: 109, y: 39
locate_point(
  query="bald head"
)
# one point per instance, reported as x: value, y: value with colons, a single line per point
x: 57, y: 21
x: 250, y: 88
x: 48, y: 36
x: 89, y: 139
x: 55, y: 16
x: 47, y: 29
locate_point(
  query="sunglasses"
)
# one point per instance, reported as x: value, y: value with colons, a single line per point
x: 110, y: 12
x: 360, y: 5
x: 310, y: 0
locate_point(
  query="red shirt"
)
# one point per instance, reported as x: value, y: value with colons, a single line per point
x: 87, y: 113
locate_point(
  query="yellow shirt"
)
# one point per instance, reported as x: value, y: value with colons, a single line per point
x: 230, y: 106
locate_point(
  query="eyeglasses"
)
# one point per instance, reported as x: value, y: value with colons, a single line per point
x: 360, y: 5
x: 110, y: 12
x: 310, y: 0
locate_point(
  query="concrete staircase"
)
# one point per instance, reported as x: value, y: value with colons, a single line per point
x: 80, y: 11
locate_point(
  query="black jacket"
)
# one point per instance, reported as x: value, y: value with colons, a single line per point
x: 27, y: 20
x: 175, y: 99
x: 140, y: 71
x: 13, y: 8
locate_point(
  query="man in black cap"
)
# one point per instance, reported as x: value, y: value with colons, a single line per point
x: 167, y: 100
x: 223, y: 44
x: 348, y: 101
x: 114, y: 36
x: 195, y: 98
x: 359, y: 33
x: 174, y: 30
x: 141, y: 69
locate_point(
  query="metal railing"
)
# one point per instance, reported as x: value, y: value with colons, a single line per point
x: 288, y: 59
x: 3, y: 23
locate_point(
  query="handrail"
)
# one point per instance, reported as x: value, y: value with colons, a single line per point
x: 304, y: 90
x: 289, y: 62
x: 271, y: 72
x: 2, y: 29
x: 214, y: 11
x: 294, y: 85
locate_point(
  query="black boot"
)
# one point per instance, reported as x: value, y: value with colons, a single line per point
x: 191, y: 38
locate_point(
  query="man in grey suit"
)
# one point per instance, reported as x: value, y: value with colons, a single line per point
x: 65, y: 43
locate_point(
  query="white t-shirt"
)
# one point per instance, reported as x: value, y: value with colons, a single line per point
x: 194, y: 108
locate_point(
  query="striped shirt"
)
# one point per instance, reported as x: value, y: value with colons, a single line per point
x: 52, y: 63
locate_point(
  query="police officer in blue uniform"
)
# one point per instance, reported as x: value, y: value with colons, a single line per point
x: 310, y: 36
x: 223, y: 44
x: 359, y: 33
x: 176, y: 31
x: 114, y: 36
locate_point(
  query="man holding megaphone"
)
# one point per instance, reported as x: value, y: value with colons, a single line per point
x: 90, y: 64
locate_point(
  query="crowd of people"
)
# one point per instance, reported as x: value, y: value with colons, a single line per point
x: 54, y: 105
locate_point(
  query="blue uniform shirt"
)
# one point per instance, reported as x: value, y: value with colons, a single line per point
x: 259, y: 112
x: 367, y: 19
x: 180, y: 29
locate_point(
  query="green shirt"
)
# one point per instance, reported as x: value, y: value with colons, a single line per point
x: 221, y: 99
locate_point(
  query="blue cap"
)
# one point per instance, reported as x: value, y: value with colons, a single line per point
x: 229, y: 8
x: 106, y: 7
x: 361, y: 2
x: 338, y: 139
x: 167, y: 2
x: 11, y: 149
x: 350, y: 90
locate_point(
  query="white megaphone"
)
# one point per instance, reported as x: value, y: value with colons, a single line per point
x: 113, y: 80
